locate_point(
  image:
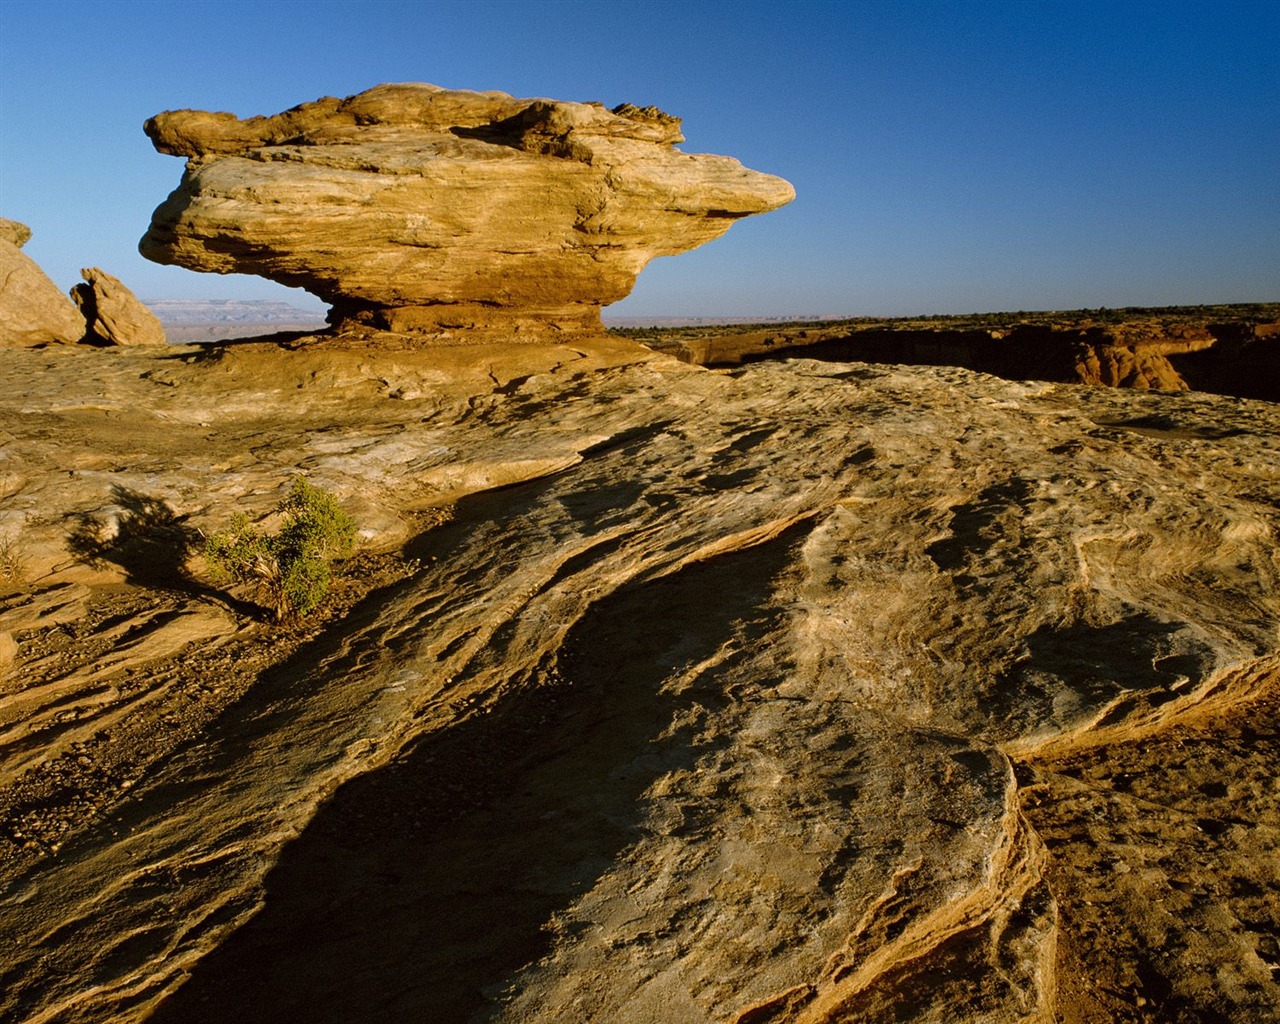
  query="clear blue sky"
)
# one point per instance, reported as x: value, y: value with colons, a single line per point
x: 948, y: 156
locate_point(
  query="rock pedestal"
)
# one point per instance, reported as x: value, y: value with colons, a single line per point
x: 423, y: 210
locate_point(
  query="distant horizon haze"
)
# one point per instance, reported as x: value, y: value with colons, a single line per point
x: 269, y: 311
x: 947, y: 158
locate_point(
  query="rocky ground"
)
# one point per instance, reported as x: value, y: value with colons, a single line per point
x: 801, y: 691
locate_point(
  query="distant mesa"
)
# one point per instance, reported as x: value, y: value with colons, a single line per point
x: 201, y: 321
x: 196, y: 312
x: 446, y: 213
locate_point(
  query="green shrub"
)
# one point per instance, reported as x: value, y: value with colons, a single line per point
x: 295, y: 566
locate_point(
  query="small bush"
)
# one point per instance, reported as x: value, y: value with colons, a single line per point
x: 293, y: 567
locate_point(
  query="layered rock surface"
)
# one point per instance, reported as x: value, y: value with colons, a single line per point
x: 807, y: 692
x: 419, y: 209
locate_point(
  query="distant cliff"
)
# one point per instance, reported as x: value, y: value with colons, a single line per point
x: 197, y: 320
x: 1233, y: 354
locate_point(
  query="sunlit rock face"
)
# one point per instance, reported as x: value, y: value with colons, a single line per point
x: 800, y: 693
x: 32, y: 309
x: 113, y: 314
x: 418, y: 209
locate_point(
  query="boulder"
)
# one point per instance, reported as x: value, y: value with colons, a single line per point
x: 417, y: 209
x: 113, y: 314
x: 33, y: 311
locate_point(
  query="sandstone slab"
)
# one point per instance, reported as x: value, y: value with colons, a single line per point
x: 804, y: 693
x: 424, y: 210
x: 113, y: 314
x: 33, y: 311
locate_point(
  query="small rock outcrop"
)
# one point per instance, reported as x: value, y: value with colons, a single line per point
x: 113, y: 314
x: 417, y: 209
x: 13, y: 232
x: 33, y: 311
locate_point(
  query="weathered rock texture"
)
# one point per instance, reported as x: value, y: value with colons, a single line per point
x: 802, y: 694
x: 420, y: 209
x: 8, y: 654
x: 33, y: 311
x: 113, y: 314
x: 14, y: 233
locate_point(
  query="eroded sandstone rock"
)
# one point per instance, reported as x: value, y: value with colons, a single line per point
x: 757, y: 696
x: 14, y: 232
x: 419, y: 209
x: 113, y: 314
x: 33, y: 311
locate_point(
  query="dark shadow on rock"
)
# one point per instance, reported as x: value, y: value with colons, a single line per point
x: 1242, y: 362
x: 1139, y: 662
x: 1165, y: 426
x: 286, y: 341
x: 86, y: 301
x: 150, y: 542
x: 422, y: 887
x: 509, y: 131
x: 974, y: 525
x: 1027, y: 353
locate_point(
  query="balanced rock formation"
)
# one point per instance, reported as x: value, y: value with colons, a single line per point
x: 413, y: 208
x: 33, y: 311
x: 113, y: 314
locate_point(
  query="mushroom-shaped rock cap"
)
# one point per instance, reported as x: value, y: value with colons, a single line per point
x: 412, y: 207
